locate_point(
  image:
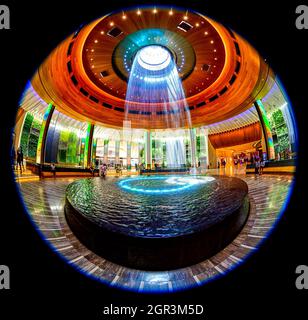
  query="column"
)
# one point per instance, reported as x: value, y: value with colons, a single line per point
x: 192, y: 134
x: 19, y: 123
x: 88, y: 145
x: 266, y: 129
x: 40, y: 151
x: 129, y: 155
x: 148, y: 149
x: 117, y: 152
x: 204, y: 148
x: 106, y: 143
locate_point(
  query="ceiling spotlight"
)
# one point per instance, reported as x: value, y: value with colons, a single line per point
x: 138, y: 12
x: 206, y: 33
x: 92, y: 50
x: 170, y: 12
x: 212, y: 41
x: 154, y: 10
x: 197, y: 24
x: 111, y: 24
x: 124, y: 17
x: 96, y: 41
x: 102, y: 32
x: 185, y: 17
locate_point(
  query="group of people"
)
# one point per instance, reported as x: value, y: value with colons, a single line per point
x: 18, y: 158
x: 259, y: 165
x: 102, y: 169
x: 221, y: 163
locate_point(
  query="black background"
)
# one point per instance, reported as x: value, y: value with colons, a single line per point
x: 43, y: 285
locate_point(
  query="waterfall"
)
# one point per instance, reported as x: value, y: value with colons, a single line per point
x: 175, y: 152
x: 155, y: 92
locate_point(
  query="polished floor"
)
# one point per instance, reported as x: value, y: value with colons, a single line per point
x: 45, y: 200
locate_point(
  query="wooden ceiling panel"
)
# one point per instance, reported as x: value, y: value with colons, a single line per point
x: 241, y: 78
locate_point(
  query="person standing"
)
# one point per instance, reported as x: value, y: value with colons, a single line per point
x: 53, y: 169
x: 257, y: 166
x: 262, y: 165
x: 92, y: 169
x: 20, y: 159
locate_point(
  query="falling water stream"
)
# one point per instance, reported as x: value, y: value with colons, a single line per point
x: 155, y: 90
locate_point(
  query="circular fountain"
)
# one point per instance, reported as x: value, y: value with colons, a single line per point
x: 157, y: 222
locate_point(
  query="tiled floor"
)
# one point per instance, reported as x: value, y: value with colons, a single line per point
x: 45, y: 201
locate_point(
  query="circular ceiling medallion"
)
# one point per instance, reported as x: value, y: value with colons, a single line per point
x: 174, y: 44
x: 154, y: 58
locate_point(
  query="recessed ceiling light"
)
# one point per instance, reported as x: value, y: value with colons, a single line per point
x: 139, y: 12
x: 206, y: 33
x: 96, y: 41
x: 102, y: 32
x: 197, y: 24
x: 185, y: 17
x: 92, y: 50
x: 124, y: 17
x: 171, y: 12
x: 154, y: 10
x: 111, y: 24
x: 212, y: 41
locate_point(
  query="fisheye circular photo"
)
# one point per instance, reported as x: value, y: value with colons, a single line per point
x: 154, y: 149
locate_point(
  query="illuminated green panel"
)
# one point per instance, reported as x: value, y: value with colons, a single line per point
x: 42, y: 131
x: 268, y: 130
x: 86, y: 147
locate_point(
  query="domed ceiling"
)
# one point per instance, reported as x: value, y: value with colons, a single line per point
x: 86, y: 76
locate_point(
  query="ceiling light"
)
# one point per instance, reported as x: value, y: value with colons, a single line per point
x: 171, y: 12
x: 139, y: 12
x: 124, y: 17
x: 154, y: 58
x: 212, y: 41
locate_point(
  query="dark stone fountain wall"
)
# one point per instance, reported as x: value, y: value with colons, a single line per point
x: 156, y: 231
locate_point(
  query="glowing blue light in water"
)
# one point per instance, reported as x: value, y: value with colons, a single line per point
x: 172, y: 184
x: 155, y: 89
